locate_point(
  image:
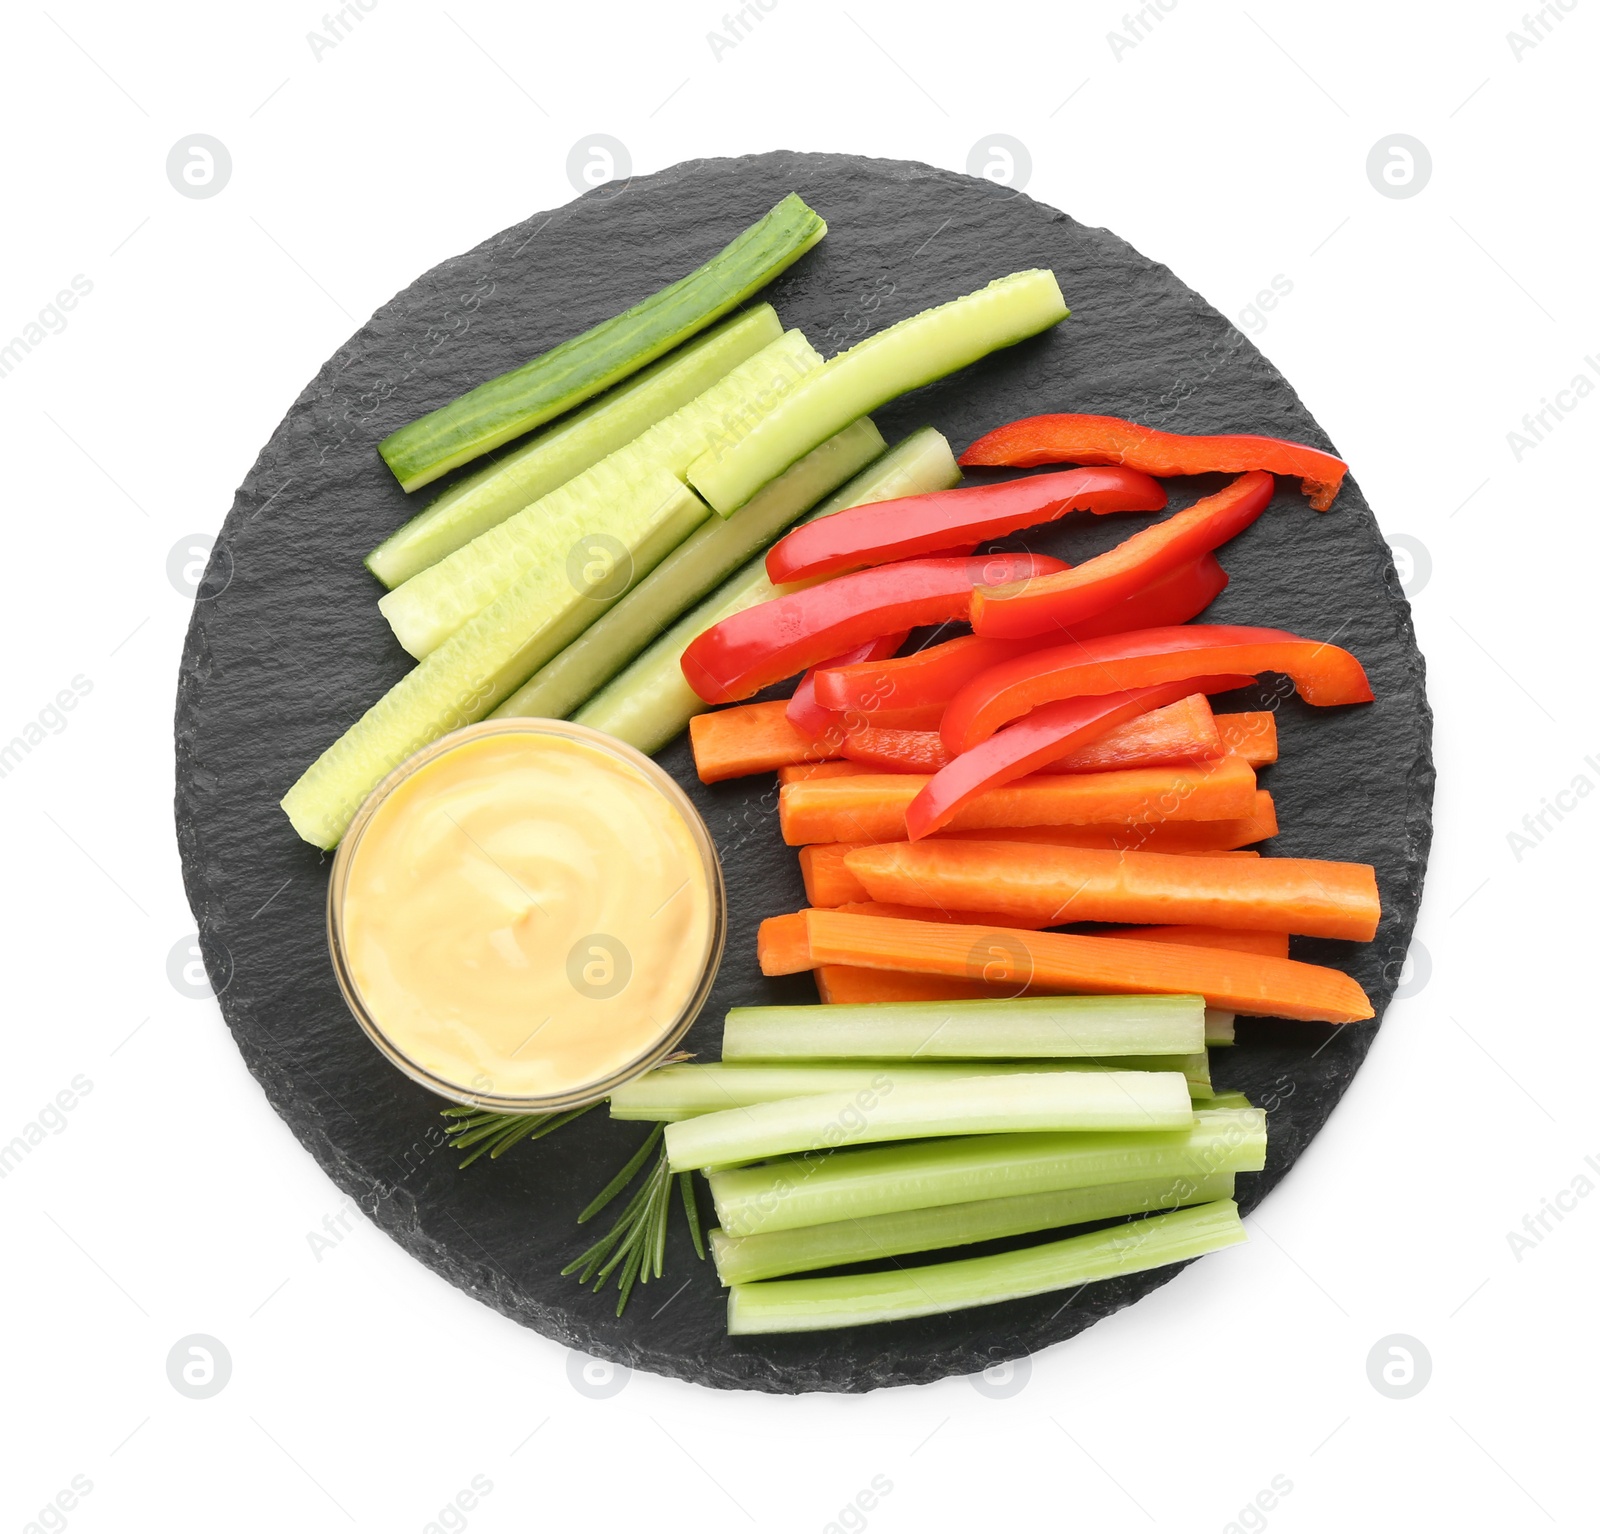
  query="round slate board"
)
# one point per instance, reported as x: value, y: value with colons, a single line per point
x: 287, y: 648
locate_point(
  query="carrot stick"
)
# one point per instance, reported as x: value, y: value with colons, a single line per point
x: 1184, y: 731
x: 1231, y: 981
x: 1191, y: 836
x: 829, y: 883
x: 756, y: 737
x: 781, y: 945
x: 1051, y: 886
x: 1271, y: 945
x: 929, y: 913
x: 1254, y: 736
x: 804, y: 772
x: 843, y: 985
x: 1237, y: 939
x: 873, y: 809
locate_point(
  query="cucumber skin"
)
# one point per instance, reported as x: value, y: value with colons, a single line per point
x: 456, y: 685
x: 577, y: 370
x: 916, y: 351
x: 501, y: 489
x: 710, y: 554
x: 605, y: 498
x: 649, y: 703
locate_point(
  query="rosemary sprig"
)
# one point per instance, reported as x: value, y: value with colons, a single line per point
x: 635, y: 1247
x: 480, y: 1130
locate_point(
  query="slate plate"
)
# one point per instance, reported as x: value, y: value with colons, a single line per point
x: 287, y: 648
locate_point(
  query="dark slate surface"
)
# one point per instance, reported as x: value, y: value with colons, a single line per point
x: 287, y: 648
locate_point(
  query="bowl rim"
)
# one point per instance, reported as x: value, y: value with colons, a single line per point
x: 658, y: 778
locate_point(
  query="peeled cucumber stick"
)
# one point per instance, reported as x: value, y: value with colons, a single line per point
x: 485, y: 499
x: 605, y: 501
x: 917, y: 351
x: 746, y: 1259
x: 1014, y: 1028
x: 880, y: 1179
x: 464, y: 678
x: 709, y: 555
x: 859, y: 1299
x: 576, y: 370
x: 649, y: 703
x: 1135, y: 1101
x: 672, y: 1092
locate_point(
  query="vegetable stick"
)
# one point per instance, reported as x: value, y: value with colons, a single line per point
x: 829, y: 883
x: 1236, y: 982
x: 755, y: 737
x: 932, y: 675
x: 873, y: 809
x: 1051, y: 886
x: 1240, y: 939
x: 673, y: 1092
x: 1152, y: 1102
x: 803, y: 772
x: 1252, y: 735
x: 859, y: 1299
x: 781, y: 945
x: 882, y: 1179
x: 1049, y: 1027
x: 847, y: 985
x: 746, y: 1259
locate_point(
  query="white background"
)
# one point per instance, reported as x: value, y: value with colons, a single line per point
x: 1231, y: 145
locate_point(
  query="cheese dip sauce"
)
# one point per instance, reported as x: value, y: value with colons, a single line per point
x: 526, y: 914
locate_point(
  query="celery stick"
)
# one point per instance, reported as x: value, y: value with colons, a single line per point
x: 485, y: 499
x: 746, y: 1259
x: 914, y: 352
x: 684, y: 1091
x: 649, y: 702
x: 456, y: 685
x: 1219, y: 1026
x: 1150, y: 1101
x: 1228, y: 1100
x: 859, y: 1299
x: 673, y: 1092
x: 577, y: 370
x: 880, y: 1179
x: 606, y: 500
x: 706, y: 557
x: 1034, y: 1026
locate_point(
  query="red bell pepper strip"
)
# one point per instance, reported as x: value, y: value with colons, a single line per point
x: 916, y: 526
x: 805, y: 713
x: 1068, y: 600
x: 1107, y: 439
x: 931, y: 676
x: 1051, y: 731
x: 766, y: 643
x: 1323, y: 673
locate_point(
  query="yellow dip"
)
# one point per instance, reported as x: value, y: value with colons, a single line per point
x: 528, y: 914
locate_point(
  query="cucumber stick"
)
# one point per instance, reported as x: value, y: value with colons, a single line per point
x: 605, y: 501
x: 466, y: 676
x: 485, y: 499
x: 859, y: 1299
x: 577, y: 370
x: 1033, y: 1026
x: 708, y: 556
x: 1136, y: 1101
x: 746, y: 1259
x: 854, y: 1184
x: 673, y: 1092
x: 649, y: 703
x: 917, y: 351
